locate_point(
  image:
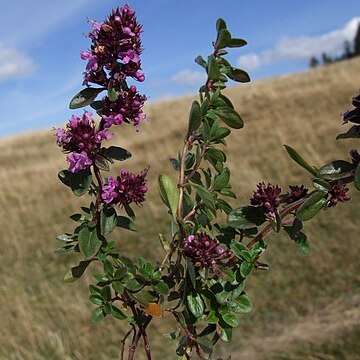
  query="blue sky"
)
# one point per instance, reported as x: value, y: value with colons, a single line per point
x: 41, y: 41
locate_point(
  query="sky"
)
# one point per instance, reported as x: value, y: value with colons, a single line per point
x: 41, y: 41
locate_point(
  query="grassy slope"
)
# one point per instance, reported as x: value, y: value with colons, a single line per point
x: 294, y: 304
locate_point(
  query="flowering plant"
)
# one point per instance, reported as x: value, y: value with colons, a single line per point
x: 201, y: 279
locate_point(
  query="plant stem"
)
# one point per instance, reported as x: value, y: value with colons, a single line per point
x: 267, y: 229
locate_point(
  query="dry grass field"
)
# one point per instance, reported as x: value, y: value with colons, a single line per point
x: 304, y: 307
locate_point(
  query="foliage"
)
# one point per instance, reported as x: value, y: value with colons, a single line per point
x: 201, y: 278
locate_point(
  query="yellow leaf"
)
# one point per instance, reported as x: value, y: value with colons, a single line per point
x: 154, y: 309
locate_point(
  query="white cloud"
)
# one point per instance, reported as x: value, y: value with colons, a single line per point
x: 301, y: 47
x: 188, y: 78
x: 14, y: 64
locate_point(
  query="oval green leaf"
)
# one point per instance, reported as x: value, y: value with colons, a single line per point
x: 84, y: 97
x: 169, y: 193
x: 230, y: 117
x: 311, y: 206
x: 89, y: 243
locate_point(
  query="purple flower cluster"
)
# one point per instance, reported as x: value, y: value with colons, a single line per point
x: 125, y: 189
x: 82, y: 139
x: 267, y: 198
x: 115, y: 55
x: 354, y: 114
x: 337, y: 193
x: 204, y: 251
x: 296, y: 193
x: 127, y: 108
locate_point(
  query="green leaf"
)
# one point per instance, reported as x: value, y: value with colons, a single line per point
x: 112, y: 93
x: 335, y: 170
x: 76, y: 272
x: 230, y: 117
x: 195, y: 304
x: 194, y: 118
x: 219, y: 133
x: 237, y: 43
x: 246, y: 268
x: 89, y: 243
x: 175, y: 164
x: 222, y: 179
x: 300, y: 160
x: 108, y: 220
x: 238, y: 75
x: 223, y: 39
x: 220, y: 24
x: 241, y: 251
x: 169, y: 193
x: 300, y: 239
x: 357, y: 177
x: 206, y: 197
x: 191, y: 272
x: 133, y: 285
x: 84, y: 97
x: 80, y: 181
x: 213, y: 68
x: 352, y: 133
x: 97, y: 105
x: 226, y: 332
x: 65, y: 177
x: 311, y: 206
x: 200, y: 61
x: 164, y: 242
x: 243, y: 304
x: 205, y: 343
x: 125, y: 223
x: 117, y: 153
x: 96, y: 299
x: 65, y: 238
x: 212, y: 318
x: 161, y: 287
x: 117, y: 313
x: 246, y: 217
x: 228, y: 316
x: 97, y: 315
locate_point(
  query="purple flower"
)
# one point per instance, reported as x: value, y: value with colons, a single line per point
x: 353, y: 115
x: 296, y: 193
x: 267, y: 198
x: 78, y: 161
x: 127, y: 108
x: 204, y: 251
x: 125, y: 189
x: 337, y: 193
x: 81, y: 138
x: 116, y: 48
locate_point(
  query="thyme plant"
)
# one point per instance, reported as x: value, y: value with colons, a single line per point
x: 201, y: 278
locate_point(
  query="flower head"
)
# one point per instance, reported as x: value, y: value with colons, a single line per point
x: 204, y: 251
x: 338, y: 193
x: 115, y: 49
x: 125, y: 189
x: 267, y: 198
x: 127, y: 108
x: 81, y: 138
x: 296, y: 193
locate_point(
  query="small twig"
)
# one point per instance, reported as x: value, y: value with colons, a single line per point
x: 124, y: 340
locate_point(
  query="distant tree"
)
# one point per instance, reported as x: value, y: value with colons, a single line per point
x: 326, y: 59
x: 348, y: 51
x: 357, y: 42
x: 314, y: 62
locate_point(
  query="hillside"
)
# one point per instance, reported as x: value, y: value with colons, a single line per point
x: 304, y: 307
